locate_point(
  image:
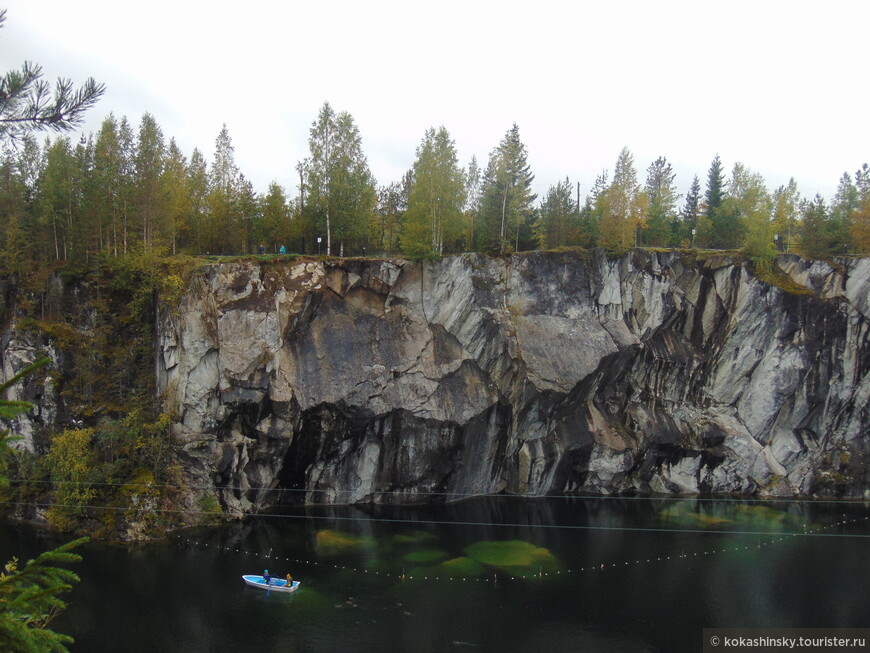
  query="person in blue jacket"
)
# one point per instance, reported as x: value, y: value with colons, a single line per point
x: 267, y: 577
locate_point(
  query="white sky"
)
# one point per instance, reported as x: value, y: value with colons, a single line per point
x: 779, y: 86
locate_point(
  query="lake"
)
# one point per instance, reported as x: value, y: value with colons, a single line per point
x: 487, y: 574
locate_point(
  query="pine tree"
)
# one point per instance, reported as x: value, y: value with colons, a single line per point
x: 176, y: 201
x: 109, y: 186
x: 148, y: 165
x: 13, y: 213
x: 27, y: 103
x: 56, y: 198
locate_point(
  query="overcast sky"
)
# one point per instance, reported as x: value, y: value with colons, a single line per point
x: 780, y: 86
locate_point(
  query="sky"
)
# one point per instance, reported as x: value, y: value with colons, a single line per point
x: 778, y: 86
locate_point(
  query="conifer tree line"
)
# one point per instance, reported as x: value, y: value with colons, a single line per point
x: 129, y: 189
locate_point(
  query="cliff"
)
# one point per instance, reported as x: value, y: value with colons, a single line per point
x: 369, y: 380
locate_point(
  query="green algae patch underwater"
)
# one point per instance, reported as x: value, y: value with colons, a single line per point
x: 416, y: 537
x: 514, y: 557
x: 426, y: 557
x: 331, y: 542
x: 685, y: 515
x: 461, y: 567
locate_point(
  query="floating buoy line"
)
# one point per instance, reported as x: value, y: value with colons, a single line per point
x: 598, y: 567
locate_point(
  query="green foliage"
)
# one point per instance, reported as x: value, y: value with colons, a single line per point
x: 433, y: 220
x: 661, y: 221
x: 71, y: 462
x: 816, y: 239
x: 340, y: 188
x: 625, y: 207
x: 27, y: 102
x: 558, y: 224
x: 30, y: 600
x: 29, y: 596
x: 506, y: 195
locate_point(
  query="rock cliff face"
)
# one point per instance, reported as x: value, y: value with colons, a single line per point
x: 361, y: 380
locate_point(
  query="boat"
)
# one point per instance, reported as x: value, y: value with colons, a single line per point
x: 275, y: 585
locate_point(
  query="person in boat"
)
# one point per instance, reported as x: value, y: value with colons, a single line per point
x: 289, y: 580
x: 267, y: 577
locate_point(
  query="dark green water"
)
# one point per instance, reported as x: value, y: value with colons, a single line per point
x: 574, y: 577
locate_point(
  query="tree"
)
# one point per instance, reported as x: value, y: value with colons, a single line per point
x: 110, y: 185
x: 594, y: 208
x: 786, y: 212
x: 661, y: 221
x: 744, y: 217
x: 341, y: 194
x: 246, y: 209
x: 557, y: 226
x: 27, y: 103
x: 13, y: 215
x: 753, y: 205
x: 273, y: 229
x: 472, y: 199
x: 223, y: 188
x: 714, y: 196
x: 30, y: 595
x: 859, y: 228
x: 56, y: 198
x: 434, y: 214
x: 626, y: 207
x: 506, y: 195
x: 691, y: 213
x: 148, y: 174
x: 843, y: 207
x: 390, y: 213
x: 197, y: 182
x: 176, y: 201
x: 815, y: 237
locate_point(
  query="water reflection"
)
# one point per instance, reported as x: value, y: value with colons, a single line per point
x: 606, y: 575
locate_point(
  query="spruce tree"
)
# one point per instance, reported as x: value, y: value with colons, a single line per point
x: 661, y: 221
x: 690, y: 214
x: 506, y: 194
